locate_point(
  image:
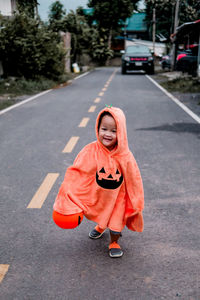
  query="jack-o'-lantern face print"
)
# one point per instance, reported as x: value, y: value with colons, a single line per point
x: 107, y: 180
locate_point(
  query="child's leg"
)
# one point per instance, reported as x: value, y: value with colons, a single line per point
x: 114, y: 247
x: 114, y: 236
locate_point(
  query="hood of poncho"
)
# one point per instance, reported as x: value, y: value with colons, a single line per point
x: 120, y: 119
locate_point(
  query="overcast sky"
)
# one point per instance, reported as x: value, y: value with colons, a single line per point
x: 43, y: 8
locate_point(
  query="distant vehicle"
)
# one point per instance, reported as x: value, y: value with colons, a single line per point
x: 187, y: 60
x: 137, y: 57
x: 166, y: 62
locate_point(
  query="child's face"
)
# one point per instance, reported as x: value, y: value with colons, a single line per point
x: 108, y: 132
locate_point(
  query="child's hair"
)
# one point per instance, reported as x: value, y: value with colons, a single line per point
x: 105, y: 113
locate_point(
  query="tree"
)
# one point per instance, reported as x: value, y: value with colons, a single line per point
x: 189, y: 10
x: 29, y: 7
x: 108, y: 14
x: 56, y: 16
x: 82, y: 34
x: 29, y: 49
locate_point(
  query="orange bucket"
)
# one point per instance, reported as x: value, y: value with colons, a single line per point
x: 67, y: 221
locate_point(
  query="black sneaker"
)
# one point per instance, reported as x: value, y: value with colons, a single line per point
x: 94, y: 234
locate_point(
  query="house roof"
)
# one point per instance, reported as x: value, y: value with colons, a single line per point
x: 136, y: 22
x: 88, y: 11
x: 189, y: 29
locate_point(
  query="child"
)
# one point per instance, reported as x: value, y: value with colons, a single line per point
x: 104, y: 182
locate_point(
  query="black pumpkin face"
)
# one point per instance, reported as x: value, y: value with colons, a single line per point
x: 109, y: 181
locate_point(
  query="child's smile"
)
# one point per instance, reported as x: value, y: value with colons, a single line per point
x: 108, y: 132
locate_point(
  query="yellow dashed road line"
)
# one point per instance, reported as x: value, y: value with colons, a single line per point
x: 97, y: 100
x: 3, y: 271
x: 43, y: 191
x: 84, y: 122
x: 92, y: 108
x: 101, y: 93
x: 71, y: 144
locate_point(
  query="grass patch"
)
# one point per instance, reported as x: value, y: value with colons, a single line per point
x: 182, y: 84
x: 6, y: 103
x: 13, y: 88
x: 17, y: 87
x: 21, y: 86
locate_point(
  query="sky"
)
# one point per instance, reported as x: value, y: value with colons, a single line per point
x: 43, y: 8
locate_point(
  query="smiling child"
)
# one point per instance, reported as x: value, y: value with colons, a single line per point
x: 104, y: 182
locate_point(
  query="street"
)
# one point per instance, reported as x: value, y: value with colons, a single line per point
x: 40, y: 139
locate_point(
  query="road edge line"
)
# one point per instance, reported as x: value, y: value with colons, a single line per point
x: 81, y: 75
x: 3, y: 111
x: 184, y: 107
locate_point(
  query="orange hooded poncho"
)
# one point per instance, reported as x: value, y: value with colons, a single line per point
x: 105, y: 185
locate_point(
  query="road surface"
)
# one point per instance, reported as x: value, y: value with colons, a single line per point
x: 40, y: 139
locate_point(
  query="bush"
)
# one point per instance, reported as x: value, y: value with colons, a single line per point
x: 29, y: 49
x: 21, y: 86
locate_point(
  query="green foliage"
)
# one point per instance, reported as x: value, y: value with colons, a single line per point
x: 81, y: 34
x: 165, y: 11
x: 21, y: 86
x: 27, y: 6
x: 86, y: 39
x: 56, y: 16
x: 28, y: 49
x: 108, y: 13
x: 108, y: 16
x: 100, y: 51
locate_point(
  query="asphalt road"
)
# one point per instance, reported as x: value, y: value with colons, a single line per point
x: 38, y: 260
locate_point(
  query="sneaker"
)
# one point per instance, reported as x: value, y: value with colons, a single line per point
x: 115, y: 250
x: 96, y: 233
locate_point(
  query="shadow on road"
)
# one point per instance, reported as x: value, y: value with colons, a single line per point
x: 176, y: 127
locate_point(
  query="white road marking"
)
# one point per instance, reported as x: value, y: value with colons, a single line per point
x: 3, y: 111
x: 81, y: 75
x: 185, y: 108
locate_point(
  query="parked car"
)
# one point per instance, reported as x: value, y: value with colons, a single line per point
x: 187, y: 60
x: 137, y: 57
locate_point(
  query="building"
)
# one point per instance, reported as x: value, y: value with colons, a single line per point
x: 7, y: 7
x: 136, y: 27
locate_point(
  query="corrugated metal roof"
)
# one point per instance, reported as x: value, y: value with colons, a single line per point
x: 136, y: 22
x: 88, y: 11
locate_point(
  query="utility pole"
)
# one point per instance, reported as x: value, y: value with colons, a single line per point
x: 154, y: 30
x: 198, y: 62
x: 176, y: 21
